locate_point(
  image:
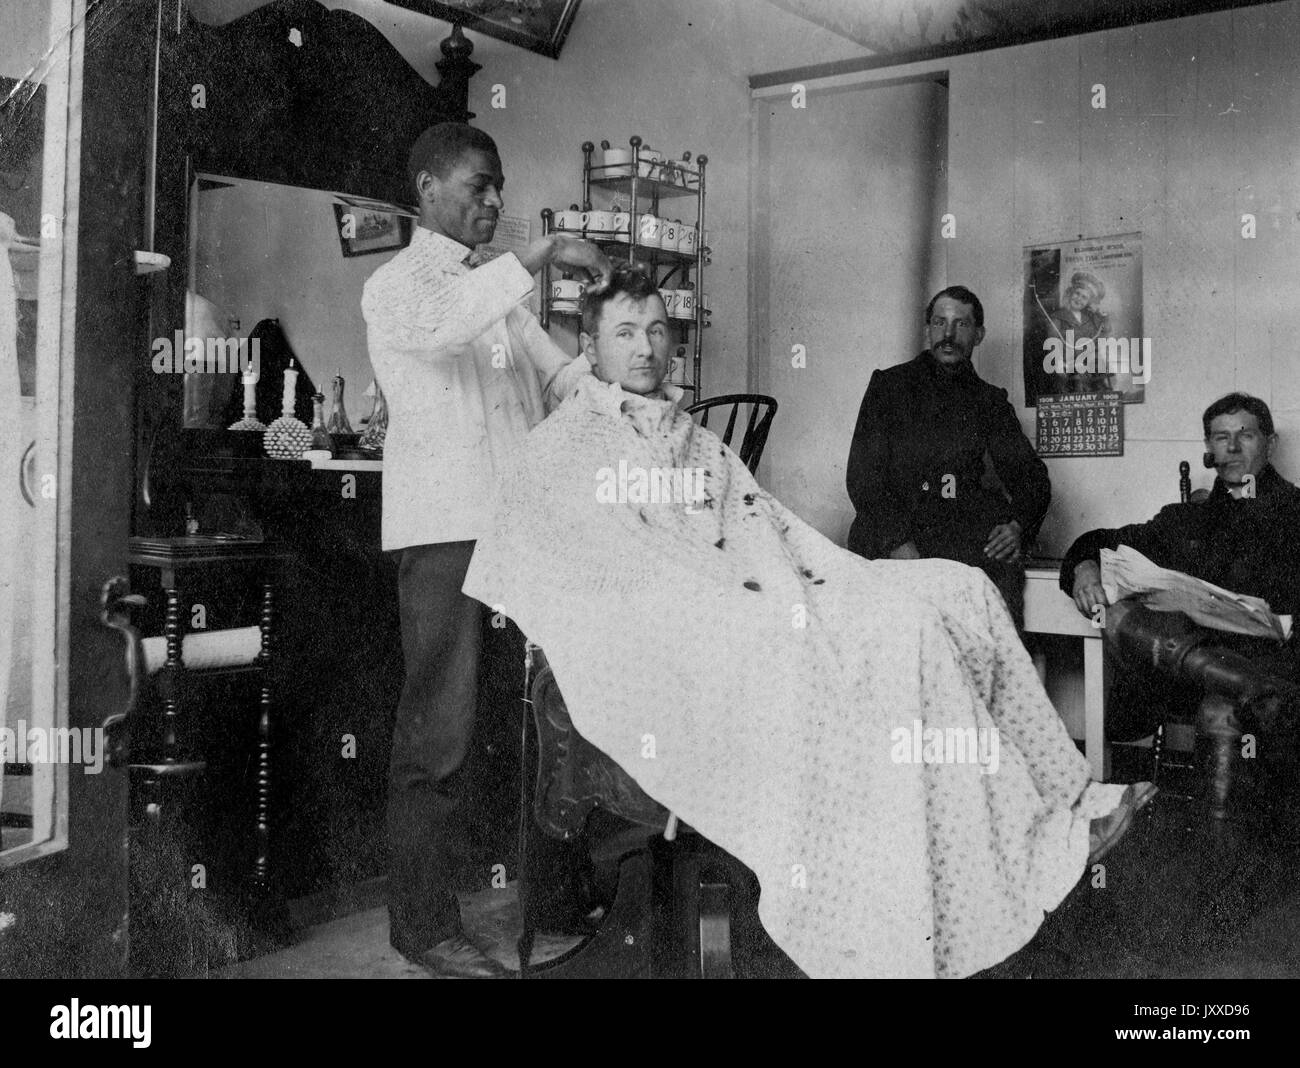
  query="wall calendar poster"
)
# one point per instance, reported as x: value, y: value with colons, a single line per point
x: 1081, y: 424
x: 1083, y: 328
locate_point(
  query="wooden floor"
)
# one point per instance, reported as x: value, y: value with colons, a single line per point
x: 1179, y: 897
x: 1182, y: 897
x: 356, y: 946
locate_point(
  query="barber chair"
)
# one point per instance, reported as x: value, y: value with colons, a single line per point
x: 1236, y: 696
x: 683, y: 908
x: 1159, y: 748
x: 762, y: 409
x: 680, y: 900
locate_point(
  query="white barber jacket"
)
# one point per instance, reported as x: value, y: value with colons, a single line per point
x: 464, y: 366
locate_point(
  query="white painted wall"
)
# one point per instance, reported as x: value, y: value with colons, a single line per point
x: 845, y: 190
x: 1200, y: 127
x: 676, y: 73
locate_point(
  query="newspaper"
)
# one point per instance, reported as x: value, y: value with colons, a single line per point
x: 1125, y: 572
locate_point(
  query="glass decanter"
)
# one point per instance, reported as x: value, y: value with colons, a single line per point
x: 377, y: 429
x: 338, y: 421
x: 320, y: 436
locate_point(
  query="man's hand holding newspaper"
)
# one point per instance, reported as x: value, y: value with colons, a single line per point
x: 1125, y: 572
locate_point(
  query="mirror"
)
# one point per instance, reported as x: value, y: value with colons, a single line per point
x: 39, y: 160
x: 261, y: 251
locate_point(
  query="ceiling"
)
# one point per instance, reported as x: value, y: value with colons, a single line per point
x: 882, y: 28
x: 888, y: 27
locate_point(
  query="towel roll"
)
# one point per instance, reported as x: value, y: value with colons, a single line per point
x: 236, y: 647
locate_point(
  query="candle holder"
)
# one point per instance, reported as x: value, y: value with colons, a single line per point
x: 287, y: 438
x: 250, y: 420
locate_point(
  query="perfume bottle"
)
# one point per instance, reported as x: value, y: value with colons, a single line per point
x: 320, y: 435
x: 338, y: 422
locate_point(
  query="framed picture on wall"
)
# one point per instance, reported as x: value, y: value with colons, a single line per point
x: 363, y: 231
x: 537, y: 25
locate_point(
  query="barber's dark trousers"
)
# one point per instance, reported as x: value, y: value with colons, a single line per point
x: 443, y: 647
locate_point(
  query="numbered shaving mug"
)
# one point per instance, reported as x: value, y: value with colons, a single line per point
x: 687, y: 239
x: 570, y: 221
x: 618, y: 225
x: 617, y: 163
x: 566, y: 295
x: 568, y: 289
x: 649, y: 231
x: 600, y: 224
x: 670, y: 302
x: 652, y: 163
x: 668, y: 233
x: 685, y: 304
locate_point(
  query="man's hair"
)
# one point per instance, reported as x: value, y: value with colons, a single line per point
x: 1239, y: 402
x: 959, y: 293
x: 440, y: 147
x: 626, y: 281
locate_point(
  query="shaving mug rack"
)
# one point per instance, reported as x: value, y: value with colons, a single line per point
x: 633, y: 222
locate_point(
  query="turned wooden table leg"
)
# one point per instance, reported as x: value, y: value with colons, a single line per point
x: 1157, y: 753
x: 172, y: 675
x: 262, y: 830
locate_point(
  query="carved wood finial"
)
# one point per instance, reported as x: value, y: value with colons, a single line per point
x: 456, y: 68
x: 457, y: 46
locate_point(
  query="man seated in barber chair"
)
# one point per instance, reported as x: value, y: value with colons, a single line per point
x: 868, y: 737
x: 1241, y: 537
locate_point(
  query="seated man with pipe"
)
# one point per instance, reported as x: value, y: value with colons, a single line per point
x: 1242, y: 537
x: 869, y: 737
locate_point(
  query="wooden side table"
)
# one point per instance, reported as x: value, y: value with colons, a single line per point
x: 1049, y: 611
x: 175, y: 559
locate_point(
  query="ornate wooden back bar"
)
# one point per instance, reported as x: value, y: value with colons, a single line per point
x: 290, y: 93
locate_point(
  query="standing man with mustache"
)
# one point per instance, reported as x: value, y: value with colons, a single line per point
x: 939, y: 466
x: 467, y: 371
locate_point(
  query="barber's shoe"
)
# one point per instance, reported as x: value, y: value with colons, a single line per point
x: 459, y: 958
